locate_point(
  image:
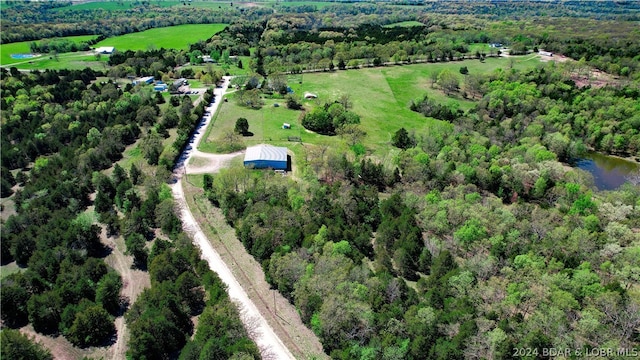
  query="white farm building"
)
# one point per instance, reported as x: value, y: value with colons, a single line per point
x: 266, y: 156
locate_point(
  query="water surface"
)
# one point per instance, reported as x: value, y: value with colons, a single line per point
x: 608, y: 172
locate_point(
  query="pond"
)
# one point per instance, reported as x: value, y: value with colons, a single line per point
x: 608, y: 172
x: 23, y: 56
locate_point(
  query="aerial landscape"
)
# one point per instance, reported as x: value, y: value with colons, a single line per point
x: 402, y: 179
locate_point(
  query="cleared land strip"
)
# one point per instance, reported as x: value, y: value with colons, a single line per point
x: 278, y: 311
x: 271, y: 347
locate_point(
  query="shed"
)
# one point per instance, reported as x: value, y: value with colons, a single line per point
x: 266, y: 156
x: 545, y: 53
x: 286, y: 126
x: 309, y: 95
x: 144, y: 80
x: 107, y: 50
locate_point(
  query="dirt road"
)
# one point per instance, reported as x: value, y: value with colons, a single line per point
x: 270, y: 345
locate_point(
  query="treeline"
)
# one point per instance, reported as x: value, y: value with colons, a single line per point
x: 159, y: 63
x: 315, y: 41
x: 544, y: 106
x: 62, y: 45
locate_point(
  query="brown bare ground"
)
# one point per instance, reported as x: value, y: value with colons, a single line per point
x: 61, y: 348
x: 281, y: 315
x: 133, y: 283
x: 594, y: 77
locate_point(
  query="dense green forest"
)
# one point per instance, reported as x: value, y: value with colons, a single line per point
x: 59, y: 130
x: 475, y: 240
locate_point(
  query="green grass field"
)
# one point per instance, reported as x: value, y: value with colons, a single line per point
x: 173, y: 37
x: 383, y: 104
x: 114, y: 5
x: 6, y: 50
x: 318, y: 4
x: 128, y: 4
x: 71, y: 61
x: 405, y: 24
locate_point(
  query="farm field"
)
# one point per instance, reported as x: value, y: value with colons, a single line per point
x: 173, y: 37
x: 383, y: 105
x: 6, y: 50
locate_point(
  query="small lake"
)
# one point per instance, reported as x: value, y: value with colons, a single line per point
x: 608, y: 172
x: 23, y: 56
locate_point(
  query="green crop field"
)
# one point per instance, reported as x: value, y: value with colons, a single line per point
x: 6, y: 50
x: 383, y: 104
x: 172, y: 37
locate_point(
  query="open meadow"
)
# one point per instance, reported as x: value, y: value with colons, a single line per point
x: 381, y: 96
x: 172, y: 37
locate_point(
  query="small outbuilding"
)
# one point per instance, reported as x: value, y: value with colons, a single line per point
x: 144, y: 80
x: 309, y: 95
x: 266, y: 157
x: 545, y: 53
x: 106, y: 50
x: 286, y: 126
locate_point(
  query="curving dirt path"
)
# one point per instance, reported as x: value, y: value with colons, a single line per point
x: 271, y: 346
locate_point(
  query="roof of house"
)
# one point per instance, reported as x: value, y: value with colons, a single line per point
x: 266, y: 152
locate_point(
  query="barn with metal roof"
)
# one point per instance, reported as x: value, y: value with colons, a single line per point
x: 266, y: 156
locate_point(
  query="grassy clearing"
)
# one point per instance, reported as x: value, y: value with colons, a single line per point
x: 231, y: 69
x: 8, y: 269
x: 8, y: 207
x: 383, y: 104
x: 405, y: 24
x: 172, y: 37
x: 265, y: 124
x: 483, y: 48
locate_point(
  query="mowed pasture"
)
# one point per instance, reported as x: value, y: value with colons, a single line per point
x: 23, y: 47
x: 172, y: 37
x: 381, y: 96
x: 69, y: 61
